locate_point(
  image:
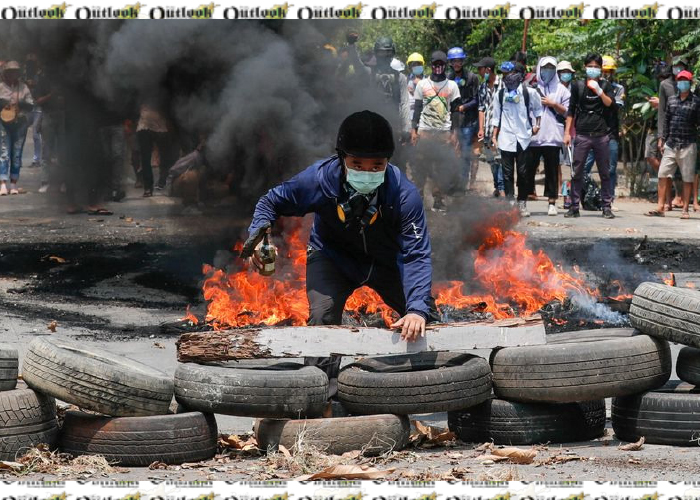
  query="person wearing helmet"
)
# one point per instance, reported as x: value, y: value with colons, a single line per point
x: 436, y: 120
x: 392, y: 84
x: 369, y: 227
x: 16, y: 102
x: 416, y: 67
x: 468, y: 84
x: 609, y: 69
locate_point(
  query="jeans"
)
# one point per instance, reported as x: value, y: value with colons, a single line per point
x: 613, y: 164
x: 511, y: 162
x: 583, y: 144
x: 36, y: 121
x: 466, y: 136
x: 12, y: 137
x: 496, y: 168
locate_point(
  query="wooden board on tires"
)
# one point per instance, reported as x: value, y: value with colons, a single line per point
x: 347, y: 341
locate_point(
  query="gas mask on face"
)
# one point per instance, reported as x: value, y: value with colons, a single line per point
x: 358, y: 208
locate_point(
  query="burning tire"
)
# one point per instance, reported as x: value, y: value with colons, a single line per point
x: 8, y: 368
x: 509, y: 423
x: 373, y: 434
x: 27, y: 419
x: 688, y: 365
x: 670, y: 415
x: 96, y: 379
x: 140, y: 441
x: 667, y: 312
x: 415, y: 383
x: 274, y: 390
x: 568, y: 371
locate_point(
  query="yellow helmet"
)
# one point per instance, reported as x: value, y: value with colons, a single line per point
x: 415, y: 57
x: 609, y: 63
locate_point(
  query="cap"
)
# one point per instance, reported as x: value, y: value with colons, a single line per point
x: 438, y: 55
x: 507, y: 67
x: 486, y: 62
x: 9, y: 65
x: 565, y: 66
x: 684, y: 75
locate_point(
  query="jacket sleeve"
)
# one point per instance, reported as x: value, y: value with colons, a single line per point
x: 474, y: 101
x: 415, y: 265
x: 294, y: 198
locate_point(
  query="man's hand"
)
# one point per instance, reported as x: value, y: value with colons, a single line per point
x: 414, y: 137
x: 654, y: 101
x: 535, y: 130
x: 412, y: 326
x: 254, y: 239
x: 567, y: 139
x: 594, y: 86
x: 546, y: 101
x: 480, y: 134
x: 494, y: 141
x: 661, y: 145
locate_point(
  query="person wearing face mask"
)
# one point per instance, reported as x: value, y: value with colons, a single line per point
x: 392, y: 84
x: 468, y: 84
x: 590, y: 109
x: 547, y: 144
x: 678, y: 144
x: 436, y: 120
x: 565, y: 72
x: 369, y: 228
x: 609, y: 69
x: 16, y: 102
x: 492, y: 83
x: 515, y: 107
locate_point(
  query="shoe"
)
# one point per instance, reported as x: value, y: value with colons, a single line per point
x: 44, y: 188
x: 496, y: 193
x: 160, y: 187
x: 3, y: 190
x: 572, y: 213
x: 607, y: 214
x: 35, y: 164
x: 439, y: 206
x: 552, y: 210
x: 147, y: 193
x: 118, y: 195
x: 522, y: 206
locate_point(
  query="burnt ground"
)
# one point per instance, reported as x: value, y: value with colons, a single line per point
x: 114, y: 281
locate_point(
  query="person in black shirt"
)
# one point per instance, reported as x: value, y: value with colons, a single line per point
x: 678, y: 143
x: 590, y: 107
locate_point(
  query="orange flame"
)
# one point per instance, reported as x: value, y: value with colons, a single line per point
x: 671, y: 280
x: 512, y: 280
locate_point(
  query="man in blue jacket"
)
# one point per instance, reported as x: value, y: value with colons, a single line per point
x: 369, y: 228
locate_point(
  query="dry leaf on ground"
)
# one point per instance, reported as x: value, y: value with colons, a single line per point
x: 632, y: 446
x: 242, y: 443
x: 57, y: 259
x: 515, y: 455
x: 13, y: 466
x: 52, y: 326
x: 427, y: 436
x: 284, y: 451
x: 347, y: 472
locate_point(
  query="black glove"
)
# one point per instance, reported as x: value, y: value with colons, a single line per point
x: 254, y: 239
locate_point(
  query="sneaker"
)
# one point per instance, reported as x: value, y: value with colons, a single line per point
x: 552, y: 210
x: 607, y: 214
x: 522, y: 206
x: 44, y: 188
x: 572, y: 213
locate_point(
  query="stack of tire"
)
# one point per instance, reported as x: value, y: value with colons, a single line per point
x: 125, y: 405
x: 555, y: 393
x: 27, y: 418
x: 669, y: 415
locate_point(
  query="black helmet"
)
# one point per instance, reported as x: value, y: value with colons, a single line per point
x: 385, y: 43
x: 367, y: 135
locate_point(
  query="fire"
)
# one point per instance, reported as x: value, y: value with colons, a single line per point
x: 671, y: 280
x: 510, y: 280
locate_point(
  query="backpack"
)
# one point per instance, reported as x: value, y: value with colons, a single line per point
x: 389, y: 84
x: 526, y: 98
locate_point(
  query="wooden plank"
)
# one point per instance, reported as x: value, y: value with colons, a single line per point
x: 326, y: 340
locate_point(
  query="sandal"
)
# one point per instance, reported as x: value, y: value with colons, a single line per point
x: 667, y: 208
x: 655, y: 213
x: 685, y: 216
x: 100, y: 211
x: 75, y: 211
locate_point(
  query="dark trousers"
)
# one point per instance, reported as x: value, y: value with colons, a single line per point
x: 166, y: 149
x: 510, y: 161
x: 550, y: 155
x: 600, y: 146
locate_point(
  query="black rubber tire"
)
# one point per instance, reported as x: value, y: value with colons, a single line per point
x: 508, y: 423
x: 96, y: 379
x: 688, y: 365
x: 264, y: 392
x: 9, y: 365
x: 667, y: 312
x: 425, y: 382
x: 670, y: 415
x: 27, y: 418
x: 570, y: 372
x: 373, y: 434
x: 140, y: 441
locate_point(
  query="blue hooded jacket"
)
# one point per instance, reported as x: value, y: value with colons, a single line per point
x: 399, y: 237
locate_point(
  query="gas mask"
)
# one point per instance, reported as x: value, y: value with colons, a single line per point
x: 358, y: 208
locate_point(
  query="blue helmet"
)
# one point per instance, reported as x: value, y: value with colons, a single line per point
x: 456, y: 53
